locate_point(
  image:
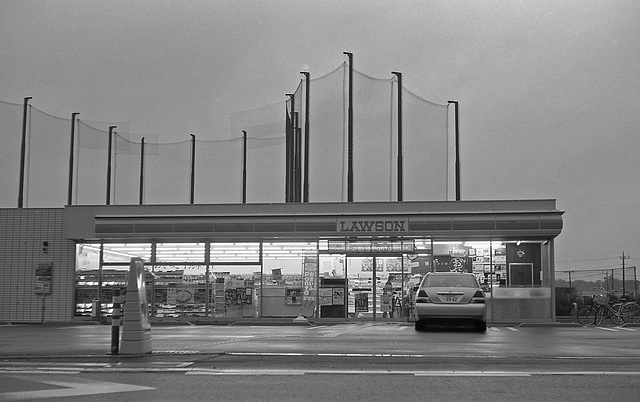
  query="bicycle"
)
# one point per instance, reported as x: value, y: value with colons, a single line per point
x: 633, y: 312
x: 618, y: 313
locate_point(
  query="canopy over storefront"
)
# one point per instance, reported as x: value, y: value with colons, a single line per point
x: 525, y: 219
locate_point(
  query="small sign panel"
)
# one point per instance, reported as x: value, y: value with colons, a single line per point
x: 42, y: 285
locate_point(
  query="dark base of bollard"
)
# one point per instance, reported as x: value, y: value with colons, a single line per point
x: 115, y: 337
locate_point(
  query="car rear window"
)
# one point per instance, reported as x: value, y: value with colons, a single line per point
x: 436, y: 281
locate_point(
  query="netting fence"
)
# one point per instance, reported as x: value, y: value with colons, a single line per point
x: 218, y: 160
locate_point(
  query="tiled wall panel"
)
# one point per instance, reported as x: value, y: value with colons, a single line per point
x: 22, y: 232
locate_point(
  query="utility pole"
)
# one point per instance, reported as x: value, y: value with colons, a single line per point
x: 623, y: 286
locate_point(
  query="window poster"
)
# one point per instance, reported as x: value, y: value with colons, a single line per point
x: 326, y: 296
x: 338, y: 296
x: 293, y: 296
x: 309, y: 278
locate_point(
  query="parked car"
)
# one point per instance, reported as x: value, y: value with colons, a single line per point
x: 450, y: 298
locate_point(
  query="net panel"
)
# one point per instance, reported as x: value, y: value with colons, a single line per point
x: 265, y: 127
x: 11, y: 135
x: 327, y: 153
x: 219, y: 171
x: 374, y: 139
x: 168, y: 174
x: 90, y: 165
x: 265, y: 169
x: 47, y: 159
x: 425, y: 149
x: 126, y: 169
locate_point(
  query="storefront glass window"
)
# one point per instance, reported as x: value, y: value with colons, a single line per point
x: 180, y: 290
x: 514, y: 273
x: 288, y: 283
x: 230, y: 253
x: 333, y: 286
x: 92, y: 287
x: 180, y: 252
x: 87, y: 278
x: 233, y: 275
x: 123, y: 253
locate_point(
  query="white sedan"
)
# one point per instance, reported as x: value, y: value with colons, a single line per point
x: 450, y: 298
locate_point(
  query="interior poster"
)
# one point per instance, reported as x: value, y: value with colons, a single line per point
x: 362, y: 302
x: 385, y: 303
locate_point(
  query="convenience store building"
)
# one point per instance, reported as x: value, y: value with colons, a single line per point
x: 322, y: 261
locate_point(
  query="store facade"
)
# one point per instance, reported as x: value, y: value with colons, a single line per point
x: 322, y: 261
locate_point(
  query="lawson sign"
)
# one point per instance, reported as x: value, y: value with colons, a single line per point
x: 372, y: 225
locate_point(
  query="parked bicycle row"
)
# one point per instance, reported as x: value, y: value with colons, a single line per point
x: 619, y: 313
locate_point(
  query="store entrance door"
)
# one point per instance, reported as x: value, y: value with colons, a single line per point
x: 375, y: 287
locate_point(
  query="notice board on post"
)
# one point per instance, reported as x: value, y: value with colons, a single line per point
x: 43, y: 278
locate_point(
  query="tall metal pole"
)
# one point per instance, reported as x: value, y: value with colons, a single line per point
x: 111, y: 128
x: 71, y: 152
x: 297, y: 166
x: 193, y: 169
x: 141, y: 192
x: 624, y: 288
x: 244, y: 167
x: 400, y: 163
x: 288, y: 151
x: 350, y: 131
x: 305, y: 190
x: 635, y: 283
x: 457, y: 131
x: 23, y: 150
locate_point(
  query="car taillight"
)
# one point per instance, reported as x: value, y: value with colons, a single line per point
x: 478, y: 297
x: 422, y: 297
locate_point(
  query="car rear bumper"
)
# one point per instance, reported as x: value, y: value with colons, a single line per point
x: 470, y: 311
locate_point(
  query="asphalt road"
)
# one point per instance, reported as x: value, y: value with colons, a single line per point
x: 324, y: 363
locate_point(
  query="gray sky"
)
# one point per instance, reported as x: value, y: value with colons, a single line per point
x: 548, y: 90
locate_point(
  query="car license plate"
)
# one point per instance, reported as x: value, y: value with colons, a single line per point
x: 450, y: 298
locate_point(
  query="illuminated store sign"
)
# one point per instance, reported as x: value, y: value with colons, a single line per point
x: 373, y: 225
x: 380, y: 246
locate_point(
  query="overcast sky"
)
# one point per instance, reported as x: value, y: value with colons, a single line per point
x: 548, y: 90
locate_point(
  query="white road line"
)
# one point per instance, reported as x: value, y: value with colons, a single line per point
x: 494, y: 329
x: 472, y: 374
x: 627, y: 329
x: 607, y: 329
x: 435, y: 373
x: 513, y: 329
x: 74, y: 388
